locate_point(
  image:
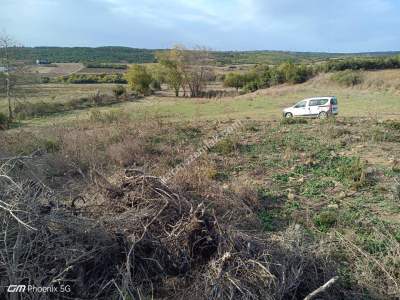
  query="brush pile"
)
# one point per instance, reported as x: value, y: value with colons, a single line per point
x: 132, y: 237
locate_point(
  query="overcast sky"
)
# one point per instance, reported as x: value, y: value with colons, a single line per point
x: 308, y: 25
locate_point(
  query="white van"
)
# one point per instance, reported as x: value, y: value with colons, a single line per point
x: 320, y: 107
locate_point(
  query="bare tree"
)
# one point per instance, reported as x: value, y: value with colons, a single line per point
x: 187, y: 69
x: 196, y: 70
x: 17, y: 78
x: 6, y: 42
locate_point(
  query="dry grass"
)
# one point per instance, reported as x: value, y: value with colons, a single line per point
x: 254, y: 218
x: 135, y: 237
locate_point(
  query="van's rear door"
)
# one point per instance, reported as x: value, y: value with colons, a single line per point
x: 334, y: 106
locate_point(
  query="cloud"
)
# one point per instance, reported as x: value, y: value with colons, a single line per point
x: 336, y: 25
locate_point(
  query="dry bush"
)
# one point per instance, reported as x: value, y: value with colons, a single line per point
x: 133, y: 237
x: 47, y: 244
x: 378, y: 273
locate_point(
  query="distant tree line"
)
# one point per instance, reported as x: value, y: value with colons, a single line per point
x: 106, y: 66
x: 264, y: 76
x: 83, y: 54
x: 361, y: 63
x: 134, y: 55
x: 87, y: 78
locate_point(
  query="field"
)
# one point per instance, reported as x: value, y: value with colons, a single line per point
x: 376, y: 97
x: 270, y: 209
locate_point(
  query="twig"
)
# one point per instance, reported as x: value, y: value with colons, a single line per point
x: 16, y: 218
x: 373, y: 259
x: 322, y: 288
x: 20, y: 157
x: 12, y: 181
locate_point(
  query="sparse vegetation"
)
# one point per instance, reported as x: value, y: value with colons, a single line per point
x: 24, y: 110
x: 280, y: 194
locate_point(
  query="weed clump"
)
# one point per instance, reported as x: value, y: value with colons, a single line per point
x: 225, y: 147
x: 290, y: 121
x: 325, y: 220
x: 391, y: 124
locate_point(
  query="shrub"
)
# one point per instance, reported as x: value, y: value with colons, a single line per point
x: 251, y: 86
x: 139, y: 79
x: 295, y: 73
x: 352, y: 170
x: 225, y: 146
x: 325, y: 219
x: 289, y: 121
x: 234, y: 80
x: 118, y: 91
x: 391, y: 124
x: 155, y: 85
x: 45, y: 79
x: 348, y: 78
x: 3, y: 121
x: 51, y: 145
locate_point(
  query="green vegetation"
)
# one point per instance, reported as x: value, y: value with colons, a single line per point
x: 348, y: 78
x: 84, y: 54
x: 88, y: 79
x: 359, y: 63
x: 277, y: 57
x: 112, y: 55
x: 263, y: 76
x: 171, y: 69
x: 139, y: 79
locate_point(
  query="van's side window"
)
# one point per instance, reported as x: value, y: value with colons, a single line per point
x: 301, y: 104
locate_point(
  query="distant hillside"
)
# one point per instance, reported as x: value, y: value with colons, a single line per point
x: 276, y: 57
x: 134, y: 55
x: 85, y: 54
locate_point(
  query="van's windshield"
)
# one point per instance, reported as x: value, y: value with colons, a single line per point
x: 334, y: 101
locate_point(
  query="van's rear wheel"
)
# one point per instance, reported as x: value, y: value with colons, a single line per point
x: 323, y: 115
x: 288, y: 115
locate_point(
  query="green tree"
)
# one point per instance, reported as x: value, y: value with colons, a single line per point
x: 234, y: 80
x: 139, y: 79
x: 172, y: 63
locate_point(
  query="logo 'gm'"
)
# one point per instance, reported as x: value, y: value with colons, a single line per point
x: 13, y: 288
